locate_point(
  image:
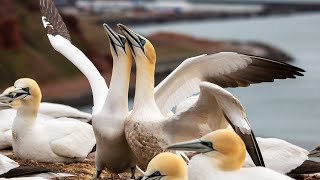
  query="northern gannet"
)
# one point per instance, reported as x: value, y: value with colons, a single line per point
x: 278, y: 154
x: 55, y: 110
x: 11, y: 169
x: 110, y: 106
x: 148, y: 131
x: 222, y: 156
x: 166, y: 166
x: 46, y: 111
x: 54, y: 140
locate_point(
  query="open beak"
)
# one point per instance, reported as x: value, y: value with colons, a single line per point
x: 195, y: 145
x: 133, y: 38
x: 115, y: 39
x: 16, y: 94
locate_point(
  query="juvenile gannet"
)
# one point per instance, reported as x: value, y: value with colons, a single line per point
x: 56, y: 140
x: 11, y: 169
x: 110, y: 108
x: 166, y: 166
x: 222, y: 156
x: 148, y: 131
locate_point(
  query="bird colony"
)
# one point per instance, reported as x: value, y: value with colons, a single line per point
x: 208, y: 136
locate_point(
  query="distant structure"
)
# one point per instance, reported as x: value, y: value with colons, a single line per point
x: 63, y: 3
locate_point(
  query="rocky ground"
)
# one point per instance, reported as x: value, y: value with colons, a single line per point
x: 86, y: 170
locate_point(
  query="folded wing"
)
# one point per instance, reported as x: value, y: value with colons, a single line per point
x: 215, y: 109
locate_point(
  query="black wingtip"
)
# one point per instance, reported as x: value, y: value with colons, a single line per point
x: 251, y: 144
x: 51, y: 15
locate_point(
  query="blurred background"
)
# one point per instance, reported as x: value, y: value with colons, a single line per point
x: 285, y: 30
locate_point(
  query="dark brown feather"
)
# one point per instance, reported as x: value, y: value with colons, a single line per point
x: 52, y: 16
x: 258, y: 71
x: 24, y: 171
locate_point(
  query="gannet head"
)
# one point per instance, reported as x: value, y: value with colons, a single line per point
x: 223, y: 145
x: 140, y: 46
x: 166, y: 166
x: 119, y: 46
x: 25, y: 90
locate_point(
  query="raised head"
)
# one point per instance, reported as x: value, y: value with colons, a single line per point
x: 224, y: 146
x: 25, y: 90
x: 167, y: 166
x: 119, y: 46
x: 142, y: 50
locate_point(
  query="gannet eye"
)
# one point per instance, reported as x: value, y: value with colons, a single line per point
x: 209, y: 144
x: 143, y: 42
x: 123, y: 40
x: 26, y: 89
x: 155, y: 174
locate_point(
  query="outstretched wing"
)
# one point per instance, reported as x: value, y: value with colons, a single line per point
x: 60, y: 40
x: 214, y: 109
x: 52, y: 20
x: 226, y: 69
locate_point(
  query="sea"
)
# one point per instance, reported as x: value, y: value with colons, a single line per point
x: 286, y: 109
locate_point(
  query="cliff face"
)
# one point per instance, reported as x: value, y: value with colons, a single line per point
x: 26, y: 52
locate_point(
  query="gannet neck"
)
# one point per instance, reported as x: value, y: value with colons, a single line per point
x: 144, y: 94
x: 97, y: 82
x: 27, y: 114
x: 119, y: 85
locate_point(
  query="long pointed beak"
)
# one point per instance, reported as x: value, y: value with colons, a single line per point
x: 133, y: 38
x: 115, y: 38
x: 16, y: 94
x: 195, y: 145
x: 4, y: 106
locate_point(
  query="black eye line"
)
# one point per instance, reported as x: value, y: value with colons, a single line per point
x: 208, y: 144
x: 134, y: 38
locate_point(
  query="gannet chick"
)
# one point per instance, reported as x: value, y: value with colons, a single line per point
x: 56, y: 140
x: 110, y: 106
x: 166, y: 166
x: 222, y: 156
x: 215, y: 108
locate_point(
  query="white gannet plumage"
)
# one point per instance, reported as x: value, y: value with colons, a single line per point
x: 46, y: 111
x: 277, y: 153
x: 60, y: 40
x: 110, y: 108
x: 53, y: 140
x: 215, y: 109
x: 222, y: 156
